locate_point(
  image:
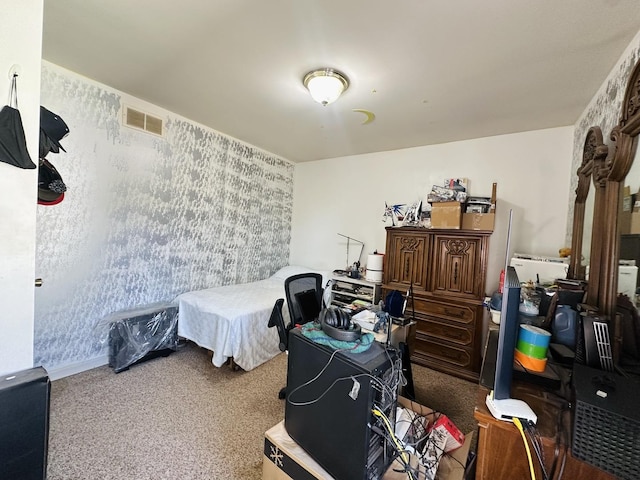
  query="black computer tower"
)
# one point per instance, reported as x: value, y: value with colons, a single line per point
x: 24, y: 424
x: 331, y: 416
x: 606, y: 421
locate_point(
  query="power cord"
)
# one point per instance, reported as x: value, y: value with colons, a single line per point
x: 406, y: 467
x: 398, y: 446
x: 518, y: 424
x: 532, y: 433
x: 388, y: 388
x: 418, y: 443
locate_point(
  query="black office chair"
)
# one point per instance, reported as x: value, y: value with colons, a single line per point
x: 277, y: 320
x: 304, y: 297
x: 304, y: 301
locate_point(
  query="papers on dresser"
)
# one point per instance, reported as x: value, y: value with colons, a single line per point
x: 366, y: 319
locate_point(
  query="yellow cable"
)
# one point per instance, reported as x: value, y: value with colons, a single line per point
x: 518, y: 425
x: 400, y: 448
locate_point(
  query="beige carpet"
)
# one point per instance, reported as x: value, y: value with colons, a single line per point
x: 180, y: 417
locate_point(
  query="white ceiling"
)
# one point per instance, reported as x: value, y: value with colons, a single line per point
x: 431, y: 71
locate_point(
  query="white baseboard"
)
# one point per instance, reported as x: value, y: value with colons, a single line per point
x: 62, y: 371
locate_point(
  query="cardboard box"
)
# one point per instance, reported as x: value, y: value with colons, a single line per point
x: 634, y: 224
x: 450, y: 466
x: 478, y: 221
x: 635, y: 216
x: 446, y: 215
x: 482, y: 221
x: 284, y: 459
x: 624, y: 218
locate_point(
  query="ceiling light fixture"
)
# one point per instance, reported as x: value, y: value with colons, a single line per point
x: 325, y: 85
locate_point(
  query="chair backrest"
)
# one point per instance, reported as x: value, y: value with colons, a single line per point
x: 276, y: 320
x: 304, y: 297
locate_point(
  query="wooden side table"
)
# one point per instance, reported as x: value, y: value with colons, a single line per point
x: 501, y: 453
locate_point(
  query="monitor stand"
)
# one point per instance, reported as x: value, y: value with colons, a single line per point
x: 509, y: 408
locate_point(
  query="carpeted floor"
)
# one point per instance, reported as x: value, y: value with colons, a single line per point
x: 180, y: 417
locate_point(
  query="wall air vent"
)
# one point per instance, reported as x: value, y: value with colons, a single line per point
x: 143, y: 121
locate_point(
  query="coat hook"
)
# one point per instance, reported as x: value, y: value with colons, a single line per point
x: 14, y: 71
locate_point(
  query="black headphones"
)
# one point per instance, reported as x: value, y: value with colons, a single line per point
x: 337, y: 323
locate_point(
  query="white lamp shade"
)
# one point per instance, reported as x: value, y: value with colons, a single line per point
x: 325, y: 86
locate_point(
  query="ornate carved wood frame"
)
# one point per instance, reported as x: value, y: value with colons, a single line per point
x: 592, y: 169
x: 607, y: 167
x: 625, y: 140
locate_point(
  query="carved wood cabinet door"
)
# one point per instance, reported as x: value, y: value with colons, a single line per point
x: 457, y: 266
x: 406, y: 259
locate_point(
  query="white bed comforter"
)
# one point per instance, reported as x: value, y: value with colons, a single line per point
x: 232, y: 321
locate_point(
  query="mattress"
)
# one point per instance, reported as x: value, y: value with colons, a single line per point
x: 232, y: 320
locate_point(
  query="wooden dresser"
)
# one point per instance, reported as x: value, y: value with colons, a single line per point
x: 447, y: 269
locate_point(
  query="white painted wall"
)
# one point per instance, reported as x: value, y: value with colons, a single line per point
x: 21, y: 40
x: 347, y: 195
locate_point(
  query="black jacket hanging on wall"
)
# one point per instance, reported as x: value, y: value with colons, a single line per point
x: 13, y: 145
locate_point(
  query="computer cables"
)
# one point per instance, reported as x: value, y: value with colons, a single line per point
x: 419, y: 449
x: 405, y: 459
x: 389, y: 386
x: 518, y: 424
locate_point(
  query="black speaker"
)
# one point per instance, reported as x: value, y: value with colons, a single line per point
x: 24, y: 424
x: 337, y: 323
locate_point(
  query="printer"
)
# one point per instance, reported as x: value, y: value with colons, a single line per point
x: 539, y: 269
x: 546, y: 270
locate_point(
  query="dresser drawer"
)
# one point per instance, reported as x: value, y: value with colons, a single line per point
x: 456, y: 334
x: 434, y: 350
x: 460, y: 313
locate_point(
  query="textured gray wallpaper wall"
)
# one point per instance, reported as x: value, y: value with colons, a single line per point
x: 146, y: 218
x: 604, y: 111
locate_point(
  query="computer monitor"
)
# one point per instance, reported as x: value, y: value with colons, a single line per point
x: 509, y: 324
x: 499, y: 401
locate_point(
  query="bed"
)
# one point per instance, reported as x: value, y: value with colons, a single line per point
x: 231, y: 321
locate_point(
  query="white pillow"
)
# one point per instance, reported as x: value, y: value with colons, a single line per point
x: 290, y: 270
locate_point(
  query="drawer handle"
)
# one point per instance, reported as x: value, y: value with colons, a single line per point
x: 453, y: 313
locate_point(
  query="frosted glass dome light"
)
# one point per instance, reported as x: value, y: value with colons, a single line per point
x: 325, y: 85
